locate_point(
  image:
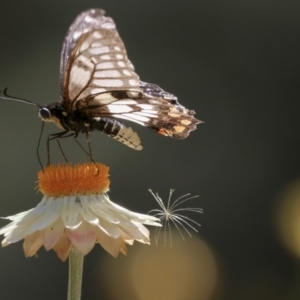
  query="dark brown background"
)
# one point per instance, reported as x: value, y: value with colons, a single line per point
x: 236, y: 63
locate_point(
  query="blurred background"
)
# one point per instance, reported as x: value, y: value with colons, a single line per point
x: 237, y: 64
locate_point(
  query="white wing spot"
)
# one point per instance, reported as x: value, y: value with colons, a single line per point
x: 145, y: 114
x: 119, y: 56
x: 88, y: 19
x: 145, y: 106
x: 126, y: 102
x: 96, y: 44
x: 100, y: 50
x: 132, y: 82
x: 106, y: 57
x: 117, y: 48
x: 121, y: 64
x: 108, y: 73
x: 126, y: 72
x: 80, y: 73
x: 102, y: 99
x: 96, y: 91
x: 119, y: 109
x: 152, y: 112
x: 105, y: 65
x: 128, y: 118
x: 76, y: 35
x: 137, y: 117
x: 105, y: 96
x: 97, y: 35
x: 84, y: 46
x: 108, y: 82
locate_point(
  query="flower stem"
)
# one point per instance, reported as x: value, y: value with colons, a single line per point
x: 75, y: 274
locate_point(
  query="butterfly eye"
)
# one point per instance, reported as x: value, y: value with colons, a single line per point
x: 44, y: 113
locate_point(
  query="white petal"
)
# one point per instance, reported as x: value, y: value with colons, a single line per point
x: 109, y: 244
x: 83, y: 238
x: 110, y: 229
x: 52, y: 234
x: 133, y: 231
x: 69, y: 212
x: 145, y: 232
x: 32, y: 243
x: 63, y: 247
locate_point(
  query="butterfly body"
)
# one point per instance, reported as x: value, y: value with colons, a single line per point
x: 78, y: 120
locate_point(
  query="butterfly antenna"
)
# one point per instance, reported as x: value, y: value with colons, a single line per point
x: 5, y: 96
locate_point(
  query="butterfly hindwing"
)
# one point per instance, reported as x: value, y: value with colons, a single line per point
x: 164, y: 115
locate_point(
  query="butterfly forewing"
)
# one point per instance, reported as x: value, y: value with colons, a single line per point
x: 98, y: 61
x: 99, y: 82
x: 86, y: 22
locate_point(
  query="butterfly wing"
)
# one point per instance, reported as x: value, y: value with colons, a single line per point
x: 97, y: 77
x: 94, y: 59
x: 152, y: 107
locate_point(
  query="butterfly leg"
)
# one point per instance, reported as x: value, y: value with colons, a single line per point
x: 38, y: 146
x: 48, y: 150
x: 89, y: 154
x: 61, y: 150
x: 87, y: 137
x: 61, y: 135
x: 57, y: 136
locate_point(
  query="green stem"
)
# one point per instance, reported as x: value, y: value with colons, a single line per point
x: 75, y: 274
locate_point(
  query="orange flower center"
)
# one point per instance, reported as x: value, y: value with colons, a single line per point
x: 66, y: 180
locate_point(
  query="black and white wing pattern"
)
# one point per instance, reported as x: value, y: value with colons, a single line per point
x: 98, y: 80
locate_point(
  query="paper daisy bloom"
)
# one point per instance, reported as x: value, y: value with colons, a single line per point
x: 76, y: 212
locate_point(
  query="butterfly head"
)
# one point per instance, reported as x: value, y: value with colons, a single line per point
x: 53, y: 113
x: 45, y: 114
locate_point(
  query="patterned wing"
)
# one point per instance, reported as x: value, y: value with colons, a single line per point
x: 152, y: 107
x: 98, y: 79
x: 94, y: 59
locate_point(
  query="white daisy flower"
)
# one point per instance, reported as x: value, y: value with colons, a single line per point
x: 172, y: 212
x: 76, y: 212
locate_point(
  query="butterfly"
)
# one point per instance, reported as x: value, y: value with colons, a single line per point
x: 98, y: 86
